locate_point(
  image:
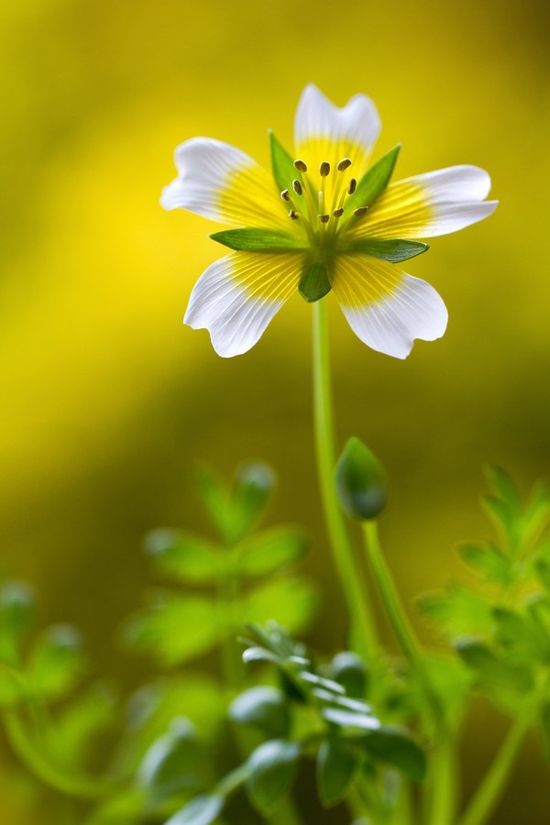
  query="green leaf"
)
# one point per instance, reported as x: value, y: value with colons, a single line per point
x: 373, y: 182
x: 350, y: 719
x: 360, y: 481
x: 337, y: 763
x: 395, y: 747
x: 282, y: 164
x: 184, y: 556
x: 350, y: 671
x: 292, y: 601
x: 16, y: 616
x: 73, y: 736
x: 506, y: 683
x: 458, y: 611
x: 262, y: 707
x: 489, y: 561
x: 177, y: 628
x: 174, y: 762
x: 387, y: 249
x: 252, y: 490
x: 56, y: 663
x: 515, y: 635
x: 315, y: 282
x: 200, y: 811
x: 251, y: 239
x: 271, y: 551
x: 272, y: 767
x: 216, y: 500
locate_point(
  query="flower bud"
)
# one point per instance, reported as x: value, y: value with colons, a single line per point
x: 360, y: 481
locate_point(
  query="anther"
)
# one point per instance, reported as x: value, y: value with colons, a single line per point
x: 362, y: 210
x: 293, y: 214
x: 352, y: 186
x: 324, y: 169
x: 284, y: 195
x: 338, y: 212
x: 344, y: 164
x: 297, y: 186
x: 324, y: 218
x: 300, y: 165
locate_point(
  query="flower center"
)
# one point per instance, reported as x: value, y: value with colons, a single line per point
x: 319, y: 201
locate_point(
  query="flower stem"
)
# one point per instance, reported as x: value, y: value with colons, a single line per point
x: 488, y: 794
x: 357, y: 603
x: 443, y: 798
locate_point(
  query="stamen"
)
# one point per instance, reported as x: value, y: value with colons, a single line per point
x: 300, y: 165
x: 324, y: 218
x: 344, y: 164
x: 293, y: 214
x: 361, y: 210
x: 285, y: 195
x: 338, y: 212
x: 352, y: 186
x: 324, y: 169
x: 297, y: 186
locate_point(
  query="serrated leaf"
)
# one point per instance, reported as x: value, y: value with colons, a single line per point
x: 292, y: 601
x: 252, y: 239
x: 505, y: 521
x: 184, y: 556
x: 458, y: 611
x: 282, y: 164
x: 504, y: 682
x: 262, y: 707
x: 271, y: 551
x: 393, y: 250
x: 200, y: 811
x: 271, y: 769
x: 489, y: 561
x: 395, y: 747
x: 373, y: 182
x: 173, y: 763
x: 56, y: 662
x: 515, y: 636
x: 337, y: 763
x: 177, y: 628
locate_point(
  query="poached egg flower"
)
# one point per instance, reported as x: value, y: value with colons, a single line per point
x: 324, y: 220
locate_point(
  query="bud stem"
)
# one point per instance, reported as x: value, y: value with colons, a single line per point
x: 357, y: 601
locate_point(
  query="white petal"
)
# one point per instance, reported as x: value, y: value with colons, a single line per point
x: 237, y: 296
x: 390, y: 324
x: 318, y: 118
x: 454, y: 183
x: 451, y: 217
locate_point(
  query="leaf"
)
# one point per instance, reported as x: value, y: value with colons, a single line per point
x: 72, y: 737
x: 337, y: 763
x: 292, y: 601
x: 258, y: 654
x: 200, y: 811
x: 215, y: 498
x: 251, y: 493
x: 489, y: 561
x: 56, y: 661
x: 395, y: 747
x: 282, y: 164
x: 350, y: 719
x: 373, y: 182
x: 458, y: 611
x: 387, y: 249
x: 315, y: 282
x: 271, y: 551
x: 515, y: 635
x: 272, y: 767
x: 350, y: 671
x: 503, y: 681
x: 177, y: 628
x: 16, y: 617
x: 184, y: 556
x: 262, y: 707
x: 252, y: 239
x: 173, y: 763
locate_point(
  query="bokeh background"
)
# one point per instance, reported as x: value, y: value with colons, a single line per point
x: 108, y: 401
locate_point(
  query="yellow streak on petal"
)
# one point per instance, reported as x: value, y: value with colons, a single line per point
x: 250, y: 197
x: 359, y: 280
x: 402, y: 211
x: 265, y: 275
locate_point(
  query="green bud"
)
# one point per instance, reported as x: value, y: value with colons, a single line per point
x: 360, y: 481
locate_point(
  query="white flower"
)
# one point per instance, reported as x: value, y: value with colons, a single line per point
x: 322, y: 222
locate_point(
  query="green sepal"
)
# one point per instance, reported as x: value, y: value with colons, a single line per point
x: 315, y: 283
x: 250, y: 239
x: 389, y: 249
x: 374, y: 181
x: 282, y: 164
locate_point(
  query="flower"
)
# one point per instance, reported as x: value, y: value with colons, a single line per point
x: 323, y: 221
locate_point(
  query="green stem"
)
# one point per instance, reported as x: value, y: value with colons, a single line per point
x: 42, y: 767
x: 357, y: 603
x: 444, y: 790
x: 390, y: 597
x: 488, y: 794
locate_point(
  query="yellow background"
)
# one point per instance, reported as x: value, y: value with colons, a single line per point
x: 107, y: 400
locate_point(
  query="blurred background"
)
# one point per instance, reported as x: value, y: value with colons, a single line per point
x: 108, y: 401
